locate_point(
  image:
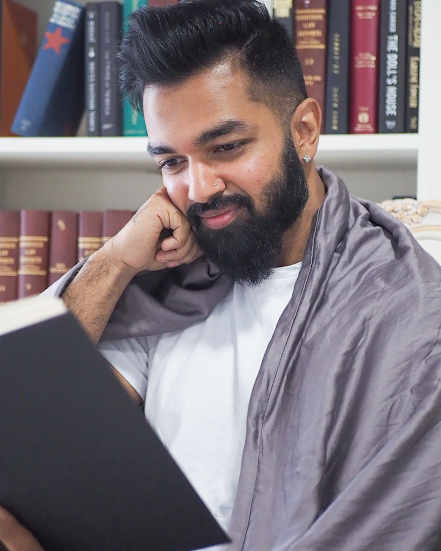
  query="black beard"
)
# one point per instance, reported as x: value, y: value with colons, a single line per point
x: 247, y: 249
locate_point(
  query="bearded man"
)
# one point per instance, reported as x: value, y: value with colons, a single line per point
x: 283, y: 336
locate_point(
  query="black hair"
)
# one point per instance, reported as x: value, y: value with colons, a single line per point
x: 166, y: 45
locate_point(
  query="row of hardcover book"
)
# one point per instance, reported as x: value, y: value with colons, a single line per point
x: 38, y: 246
x: 360, y: 60
x: 76, y: 67
x: 108, y: 113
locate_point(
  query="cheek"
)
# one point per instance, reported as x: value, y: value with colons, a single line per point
x: 252, y: 177
x: 177, y: 193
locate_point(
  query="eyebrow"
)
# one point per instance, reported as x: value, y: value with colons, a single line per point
x: 222, y: 129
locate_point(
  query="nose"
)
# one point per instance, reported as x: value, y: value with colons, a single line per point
x: 203, y: 183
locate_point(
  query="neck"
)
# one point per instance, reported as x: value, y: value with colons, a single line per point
x: 296, y: 238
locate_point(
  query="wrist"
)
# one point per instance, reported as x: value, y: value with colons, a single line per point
x: 113, y: 266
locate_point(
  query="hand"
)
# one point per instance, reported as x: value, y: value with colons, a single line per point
x: 15, y: 536
x: 139, y: 246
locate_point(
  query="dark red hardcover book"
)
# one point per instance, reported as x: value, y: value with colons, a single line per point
x: 413, y: 65
x: 113, y: 221
x: 18, y: 37
x: 310, y: 42
x: 363, y: 80
x: 34, y: 252
x: 9, y: 234
x: 63, y: 243
x: 90, y: 232
x: 162, y: 2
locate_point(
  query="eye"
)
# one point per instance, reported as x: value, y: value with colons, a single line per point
x: 169, y: 164
x: 225, y: 148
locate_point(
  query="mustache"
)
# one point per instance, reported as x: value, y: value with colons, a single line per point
x: 217, y: 203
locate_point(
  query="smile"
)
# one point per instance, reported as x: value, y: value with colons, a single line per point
x: 219, y: 218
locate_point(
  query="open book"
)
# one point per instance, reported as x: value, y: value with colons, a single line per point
x: 79, y: 465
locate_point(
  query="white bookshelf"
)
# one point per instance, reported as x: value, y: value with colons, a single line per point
x: 346, y: 152
x: 91, y: 173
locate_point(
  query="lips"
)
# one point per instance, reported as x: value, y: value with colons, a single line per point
x: 219, y: 218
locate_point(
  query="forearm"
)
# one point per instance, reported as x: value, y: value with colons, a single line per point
x: 93, y: 293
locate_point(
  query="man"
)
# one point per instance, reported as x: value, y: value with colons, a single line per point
x: 293, y: 369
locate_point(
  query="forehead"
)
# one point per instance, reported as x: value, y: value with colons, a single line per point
x: 203, y: 101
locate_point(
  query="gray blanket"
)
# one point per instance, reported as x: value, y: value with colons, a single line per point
x: 343, y: 446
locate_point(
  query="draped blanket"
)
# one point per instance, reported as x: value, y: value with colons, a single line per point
x: 343, y: 445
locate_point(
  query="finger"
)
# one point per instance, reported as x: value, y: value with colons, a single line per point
x: 190, y: 257
x: 182, y: 255
x: 15, y: 536
x: 180, y: 237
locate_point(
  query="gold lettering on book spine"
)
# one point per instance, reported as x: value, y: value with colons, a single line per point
x: 8, y: 264
x: 30, y: 263
x: 310, y: 29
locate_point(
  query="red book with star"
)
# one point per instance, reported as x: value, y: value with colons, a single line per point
x: 53, y: 101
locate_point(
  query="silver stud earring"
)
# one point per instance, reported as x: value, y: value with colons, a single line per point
x: 215, y: 183
x: 306, y: 159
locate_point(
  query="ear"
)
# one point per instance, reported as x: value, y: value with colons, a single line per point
x: 305, y: 128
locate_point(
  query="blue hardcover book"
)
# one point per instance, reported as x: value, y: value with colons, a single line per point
x: 53, y: 100
x: 133, y: 121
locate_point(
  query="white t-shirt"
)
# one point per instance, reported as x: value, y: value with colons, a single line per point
x: 200, y: 381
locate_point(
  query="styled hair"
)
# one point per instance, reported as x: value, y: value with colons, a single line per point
x: 166, y: 45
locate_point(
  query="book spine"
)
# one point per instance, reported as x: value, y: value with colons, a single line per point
x: 1, y: 44
x: 283, y: 13
x: 111, y: 104
x: 337, y: 68
x: 133, y: 121
x: 63, y: 243
x: 413, y: 65
x: 92, y: 69
x: 18, y: 50
x: 392, y: 66
x: 363, y: 98
x: 33, y: 252
x: 9, y: 234
x: 310, y: 42
x: 63, y: 31
x: 113, y: 221
x: 162, y: 2
x: 89, y: 233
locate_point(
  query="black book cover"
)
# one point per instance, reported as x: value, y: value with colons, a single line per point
x: 111, y: 100
x: 93, y: 68
x: 337, y: 68
x: 80, y: 467
x: 413, y: 65
x: 392, y: 66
